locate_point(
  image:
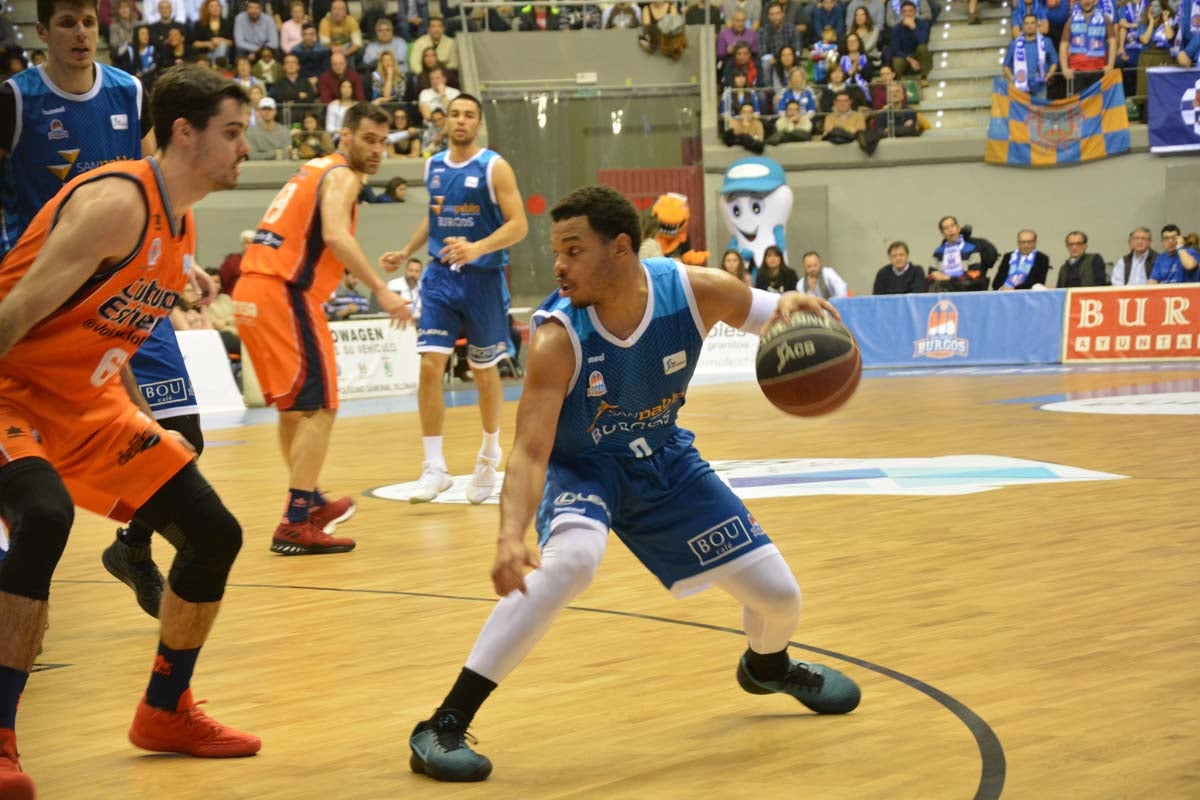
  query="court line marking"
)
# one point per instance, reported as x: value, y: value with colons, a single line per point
x: 993, y: 765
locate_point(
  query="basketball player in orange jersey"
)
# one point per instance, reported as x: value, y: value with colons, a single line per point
x: 301, y: 251
x: 78, y: 295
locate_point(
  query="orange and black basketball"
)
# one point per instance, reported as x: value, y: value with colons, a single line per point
x: 808, y: 365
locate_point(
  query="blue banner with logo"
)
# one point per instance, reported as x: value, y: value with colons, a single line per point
x: 1171, y: 109
x: 962, y: 328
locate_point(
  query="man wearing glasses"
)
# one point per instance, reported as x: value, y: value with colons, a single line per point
x: 1024, y: 267
x: 1081, y: 267
x: 1175, y: 264
x: 1133, y: 269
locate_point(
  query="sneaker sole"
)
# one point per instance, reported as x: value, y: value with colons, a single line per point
x: 132, y: 584
x: 418, y: 765
x: 289, y: 549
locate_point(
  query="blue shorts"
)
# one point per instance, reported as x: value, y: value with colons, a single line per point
x: 161, y: 375
x: 474, y: 300
x: 670, y: 509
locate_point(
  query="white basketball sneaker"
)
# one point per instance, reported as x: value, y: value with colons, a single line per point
x: 483, y: 479
x: 433, y: 481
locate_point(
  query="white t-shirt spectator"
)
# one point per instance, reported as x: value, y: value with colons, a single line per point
x: 429, y: 99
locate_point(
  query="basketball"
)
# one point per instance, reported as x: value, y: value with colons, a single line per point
x: 808, y: 365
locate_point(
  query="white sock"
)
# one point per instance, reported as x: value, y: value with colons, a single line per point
x: 433, y: 450
x: 491, y: 445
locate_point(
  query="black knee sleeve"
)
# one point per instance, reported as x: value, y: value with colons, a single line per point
x: 189, y: 426
x: 188, y: 513
x: 39, y: 512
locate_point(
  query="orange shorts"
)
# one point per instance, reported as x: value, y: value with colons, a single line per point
x: 111, y: 456
x: 287, y: 336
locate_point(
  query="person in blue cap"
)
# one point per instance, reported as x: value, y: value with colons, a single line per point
x: 756, y: 203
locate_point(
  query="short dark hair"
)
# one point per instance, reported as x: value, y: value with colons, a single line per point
x: 368, y: 111
x: 1027, y: 16
x: 470, y: 98
x: 1171, y: 228
x: 896, y: 244
x: 416, y: 260
x: 608, y: 213
x: 942, y: 221
x: 192, y: 93
x: 46, y: 8
x: 306, y: 25
x: 1078, y: 233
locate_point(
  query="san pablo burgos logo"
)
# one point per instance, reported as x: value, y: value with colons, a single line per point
x: 1189, y: 108
x: 943, y: 340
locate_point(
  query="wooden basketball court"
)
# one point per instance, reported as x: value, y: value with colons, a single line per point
x: 1039, y: 640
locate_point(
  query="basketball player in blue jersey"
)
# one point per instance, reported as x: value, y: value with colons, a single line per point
x: 597, y: 447
x: 58, y: 121
x: 475, y: 214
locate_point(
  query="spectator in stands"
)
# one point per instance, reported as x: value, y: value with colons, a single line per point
x: 335, y: 112
x: 310, y: 141
x: 798, y: 92
x: 328, y: 85
x: 386, y: 41
x: 623, y: 15
x: 837, y: 83
x: 733, y: 263
x: 729, y: 38
x: 1088, y: 48
x: 174, y: 50
x: 785, y: 62
x: 879, y: 86
x: 292, y: 30
x: 340, y: 32
x: 387, y: 83
x: 145, y: 65
x: 1081, y: 267
x: 743, y: 61
x: 824, y: 54
x: 347, y: 300
x: 774, y: 35
x: 1023, y: 268
x: 734, y: 96
x: 409, y: 287
x: 1031, y: 61
x: 433, y: 139
x: 864, y: 25
x: 855, y: 64
x: 293, y: 87
x: 751, y: 8
x: 1020, y: 8
x: 220, y: 310
x: 314, y: 57
x: 212, y: 34
x: 900, y: 276
x: 540, y: 18
x: 371, y: 11
x: 775, y: 275
x: 1175, y: 264
x: 797, y: 14
x: 874, y: 10
x: 162, y: 23
x: 1189, y: 54
x: 256, y: 95
x: 254, y: 30
x: 120, y: 31
x: 438, y: 95
x: 267, y: 139
x: 231, y: 267
x: 445, y: 47
x: 909, y: 46
x: 412, y: 19
x: 896, y: 120
x: 702, y: 12
x: 819, y: 280
x: 397, y: 190
x: 746, y: 130
x: 163, y: 11
x: 1133, y: 269
x: 893, y: 12
x: 188, y: 314
x: 419, y: 82
x: 794, y: 126
x: 957, y: 262
x: 243, y: 73
x: 404, y: 139
x: 829, y: 13
x: 1157, y: 27
x: 267, y: 70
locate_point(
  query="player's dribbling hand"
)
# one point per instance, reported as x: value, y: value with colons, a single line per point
x: 392, y: 260
x: 458, y: 251
x: 394, y: 306
x: 179, y: 437
x: 508, y: 571
x: 791, y: 302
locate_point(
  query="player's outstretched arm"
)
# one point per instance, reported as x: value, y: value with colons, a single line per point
x: 723, y: 298
x: 83, y: 242
x: 548, y: 370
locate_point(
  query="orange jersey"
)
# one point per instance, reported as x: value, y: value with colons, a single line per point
x: 69, y: 357
x: 288, y: 243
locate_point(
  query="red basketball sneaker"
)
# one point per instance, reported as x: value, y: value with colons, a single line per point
x: 188, y: 730
x: 305, y: 538
x: 328, y: 516
x: 14, y: 784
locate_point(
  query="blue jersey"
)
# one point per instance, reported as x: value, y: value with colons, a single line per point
x: 626, y: 395
x: 462, y: 202
x: 58, y: 136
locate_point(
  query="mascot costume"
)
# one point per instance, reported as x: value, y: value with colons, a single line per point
x: 756, y: 203
x: 672, y: 214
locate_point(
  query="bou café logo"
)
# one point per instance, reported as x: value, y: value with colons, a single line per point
x: 942, y: 340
